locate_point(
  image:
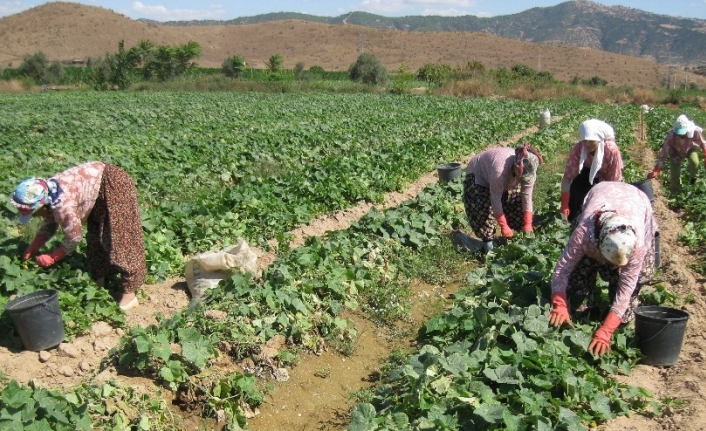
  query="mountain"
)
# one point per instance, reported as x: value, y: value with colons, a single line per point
x: 71, y: 31
x: 580, y: 23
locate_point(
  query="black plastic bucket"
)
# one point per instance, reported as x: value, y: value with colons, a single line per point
x: 448, y: 171
x: 37, y: 319
x: 657, y: 250
x: 646, y: 187
x: 660, y: 333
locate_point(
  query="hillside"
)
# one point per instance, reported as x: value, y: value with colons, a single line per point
x: 582, y: 23
x: 67, y: 31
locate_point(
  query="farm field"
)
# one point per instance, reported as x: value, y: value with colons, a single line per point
x: 211, y: 168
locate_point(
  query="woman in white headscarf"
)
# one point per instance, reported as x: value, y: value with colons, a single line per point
x: 614, y: 237
x: 594, y: 158
x: 682, y: 142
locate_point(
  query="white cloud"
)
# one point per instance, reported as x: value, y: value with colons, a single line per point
x: 421, y: 7
x: 11, y: 7
x: 162, y: 13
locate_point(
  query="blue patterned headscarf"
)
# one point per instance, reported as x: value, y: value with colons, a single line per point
x: 32, y: 194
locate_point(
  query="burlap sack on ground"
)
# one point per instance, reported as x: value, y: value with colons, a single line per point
x: 205, y: 270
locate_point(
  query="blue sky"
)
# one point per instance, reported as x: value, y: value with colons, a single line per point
x: 169, y: 10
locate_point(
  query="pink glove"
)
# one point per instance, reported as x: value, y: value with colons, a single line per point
x: 34, y: 247
x: 601, y: 338
x: 504, y: 228
x: 560, y: 313
x: 654, y: 173
x: 564, y: 209
x: 527, y: 225
x: 49, y: 259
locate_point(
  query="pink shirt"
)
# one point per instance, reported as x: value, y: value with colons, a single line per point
x: 611, y: 168
x: 627, y: 201
x: 677, y: 149
x: 493, y: 169
x: 80, y: 186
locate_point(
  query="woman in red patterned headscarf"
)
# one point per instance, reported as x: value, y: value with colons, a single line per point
x: 498, y: 187
x: 105, y: 198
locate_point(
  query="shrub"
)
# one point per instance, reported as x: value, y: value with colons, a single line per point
x: 435, y: 73
x: 38, y: 68
x: 233, y: 67
x: 368, y: 70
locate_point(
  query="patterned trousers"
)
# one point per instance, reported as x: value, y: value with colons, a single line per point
x: 476, y: 200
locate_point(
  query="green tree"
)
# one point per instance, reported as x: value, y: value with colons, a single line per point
x: 274, y: 64
x: 368, y: 70
x: 38, y: 68
x: 435, y: 73
x: 233, y: 67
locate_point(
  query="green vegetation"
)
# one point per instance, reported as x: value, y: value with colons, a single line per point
x: 213, y: 167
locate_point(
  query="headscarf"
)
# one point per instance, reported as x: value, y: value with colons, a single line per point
x: 34, y: 193
x: 617, y: 238
x: 527, y: 159
x: 594, y: 130
x: 682, y: 125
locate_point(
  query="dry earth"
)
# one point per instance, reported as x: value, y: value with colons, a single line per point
x: 317, y: 394
x: 68, y: 31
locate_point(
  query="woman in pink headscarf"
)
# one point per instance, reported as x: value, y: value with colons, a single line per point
x: 498, y: 187
x: 104, y: 197
x: 682, y: 142
x: 594, y: 158
x: 614, y: 237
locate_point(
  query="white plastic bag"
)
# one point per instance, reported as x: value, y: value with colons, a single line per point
x: 205, y: 270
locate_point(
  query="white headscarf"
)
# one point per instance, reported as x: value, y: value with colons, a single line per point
x: 617, y: 238
x: 682, y: 122
x: 594, y: 130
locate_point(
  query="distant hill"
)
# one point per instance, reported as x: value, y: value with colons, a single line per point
x: 70, y: 31
x: 580, y: 23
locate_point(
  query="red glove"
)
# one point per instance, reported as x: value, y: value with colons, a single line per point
x: 34, y: 247
x: 560, y: 313
x: 49, y: 259
x: 564, y: 209
x: 654, y: 173
x: 601, y: 338
x: 527, y: 226
x: 504, y: 228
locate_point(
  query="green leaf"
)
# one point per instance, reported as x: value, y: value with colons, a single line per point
x: 362, y: 418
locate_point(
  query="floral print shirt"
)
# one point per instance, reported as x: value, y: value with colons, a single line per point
x: 493, y: 168
x: 611, y: 169
x: 677, y: 149
x: 627, y: 201
x: 80, y: 186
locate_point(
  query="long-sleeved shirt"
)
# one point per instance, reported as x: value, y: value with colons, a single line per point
x: 627, y: 201
x: 493, y: 168
x: 677, y: 149
x: 611, y: 168
x: 80, y: 186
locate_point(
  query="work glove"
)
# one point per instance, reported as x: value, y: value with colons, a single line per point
x: 601, y: 338
x: 504, y: 228
x: 560, y: 313
x: 34, y: 247
x: 49, y: 259
x: 652, y: 175
x: 527, y: 225
x: 564, y: 209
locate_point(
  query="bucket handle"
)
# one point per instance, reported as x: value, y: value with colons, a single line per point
x: 55, y: 310
x: 655, y: 335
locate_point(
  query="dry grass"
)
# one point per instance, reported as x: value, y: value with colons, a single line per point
x: 67, y: 31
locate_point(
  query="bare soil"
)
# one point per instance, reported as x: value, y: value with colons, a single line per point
x: 70, y: 31
x: 318, y: 393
